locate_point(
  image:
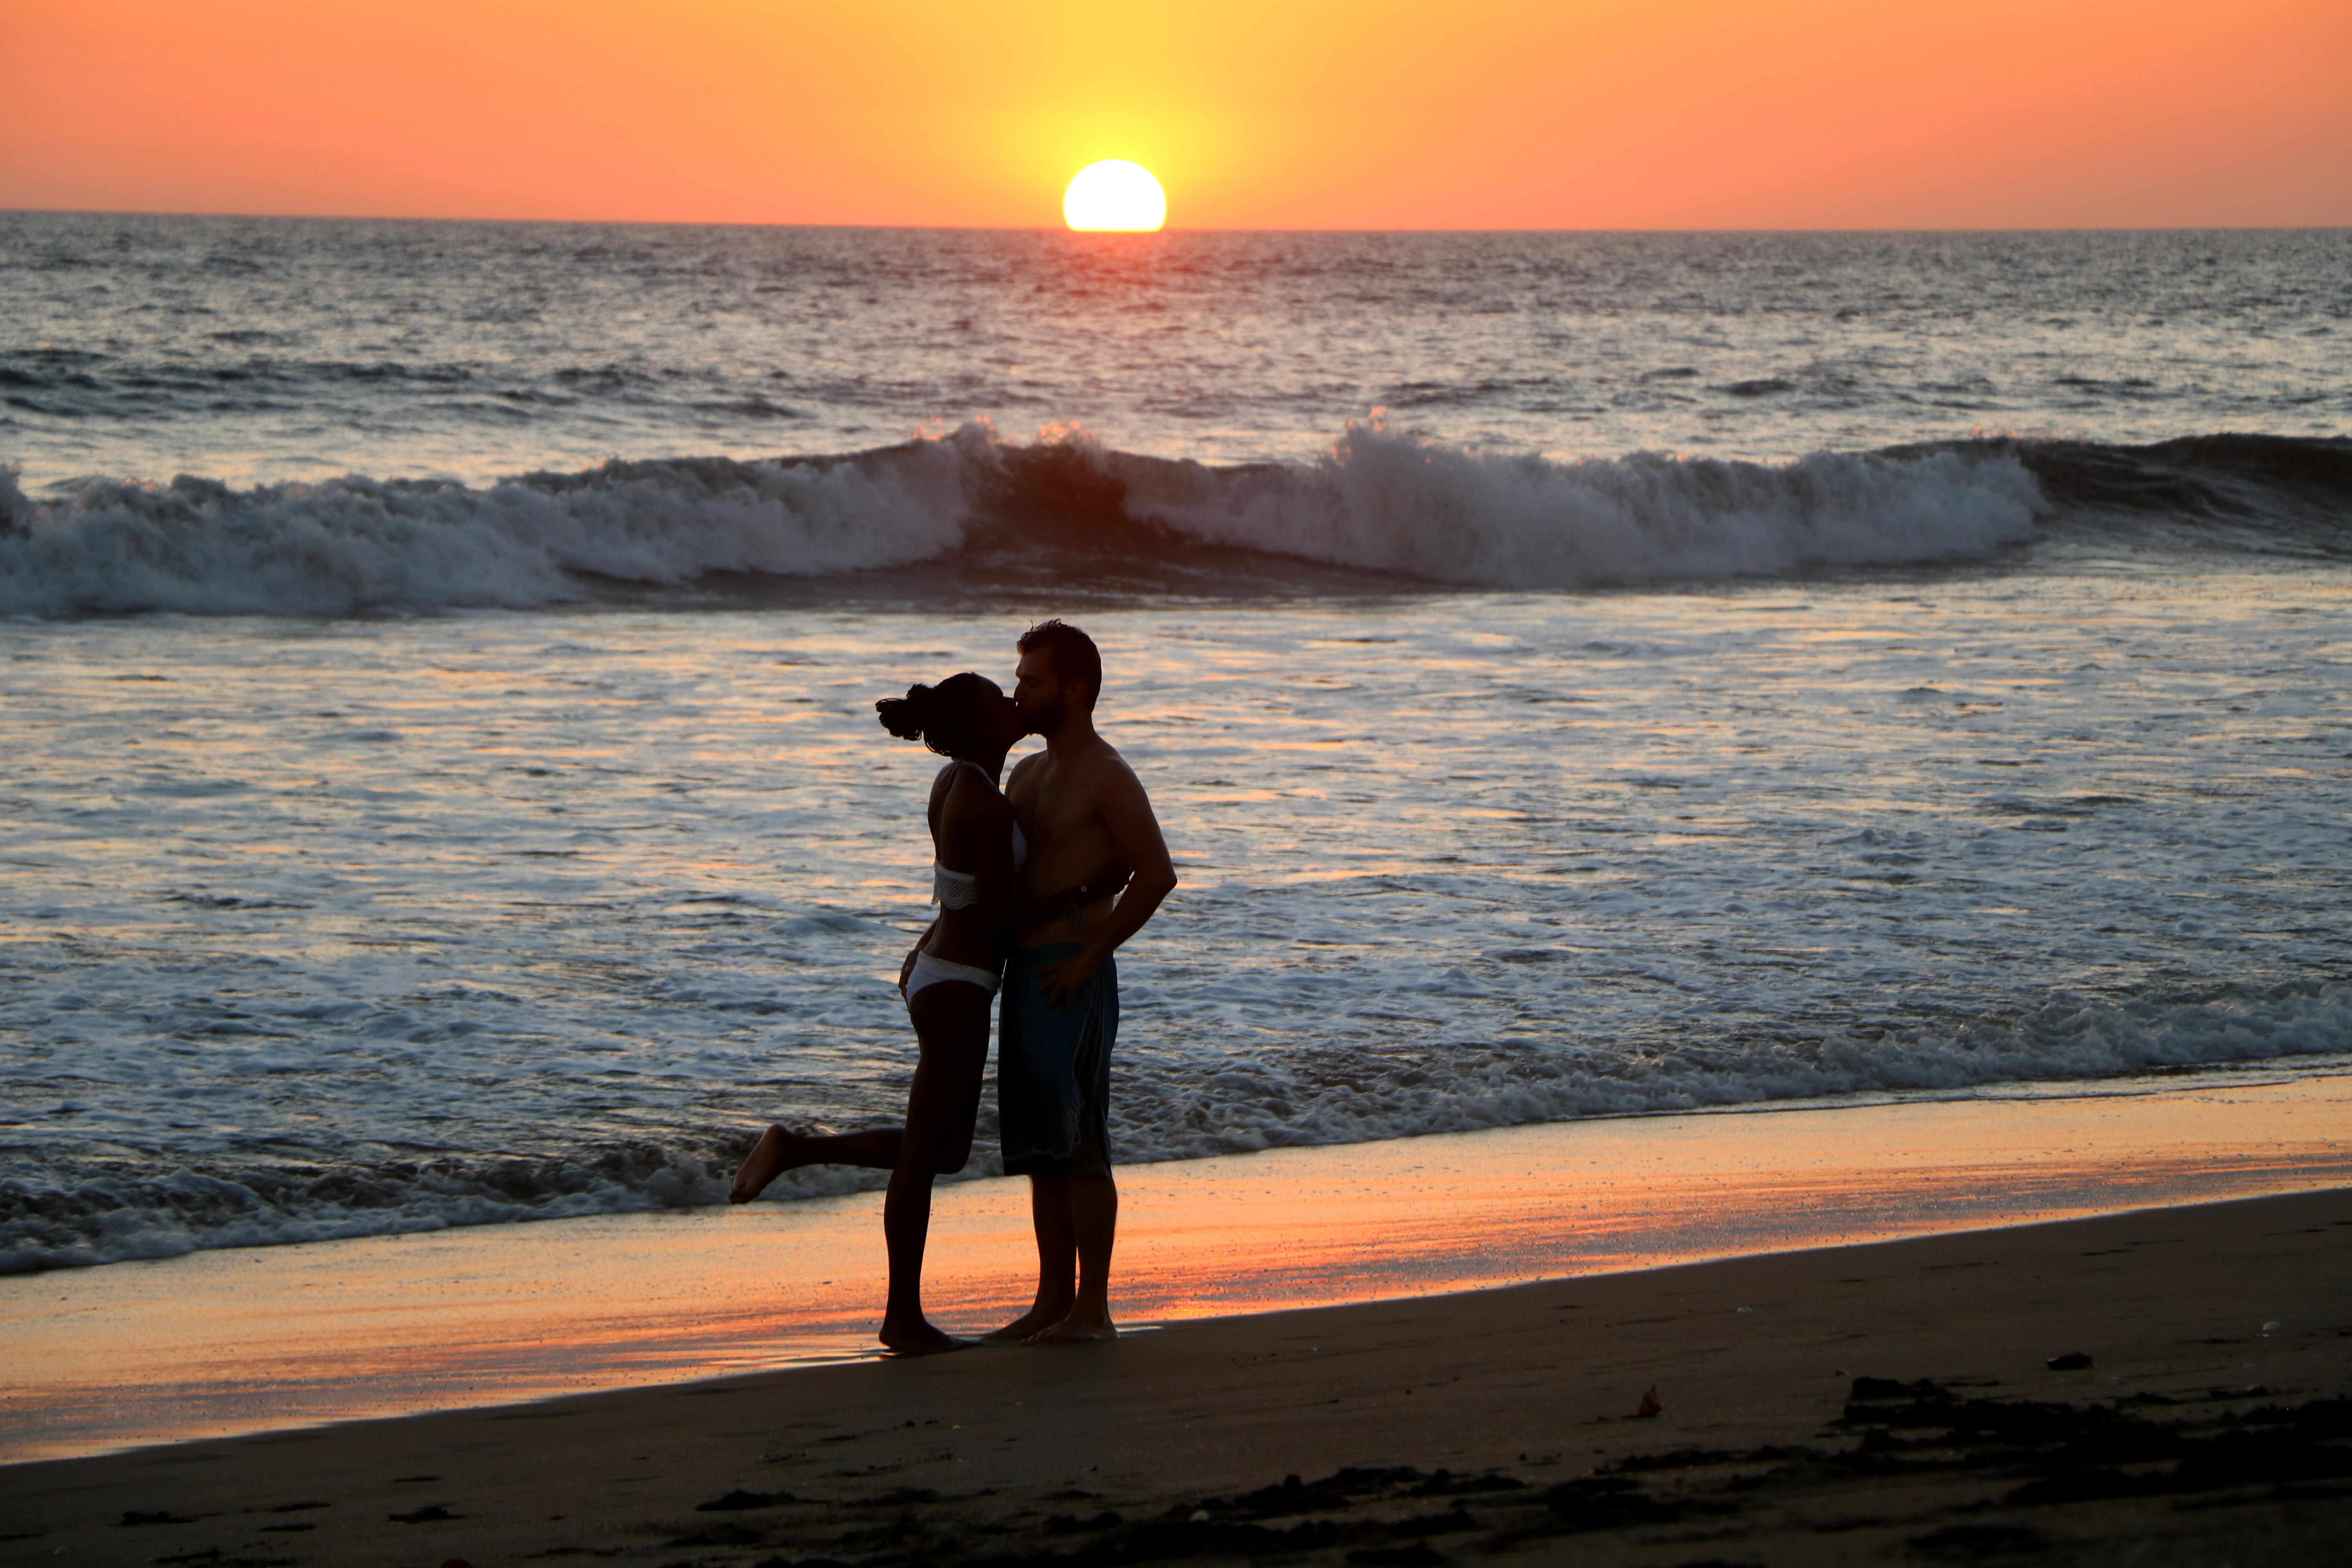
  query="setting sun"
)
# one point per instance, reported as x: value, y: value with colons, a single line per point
x: 1114, y: 195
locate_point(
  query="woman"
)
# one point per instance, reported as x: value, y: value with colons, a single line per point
x: 949, y: 978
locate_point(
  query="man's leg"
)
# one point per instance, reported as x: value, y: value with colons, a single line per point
x: 1093, y: 1208
x: 1093, y: 1196
x: 1057, y: 1259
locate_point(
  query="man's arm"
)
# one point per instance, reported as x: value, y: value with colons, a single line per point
x: 1136, y: 839
x: 1026, y: 913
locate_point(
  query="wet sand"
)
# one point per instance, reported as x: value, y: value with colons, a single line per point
x: 2210, y: 1425
x: 234, y: 1342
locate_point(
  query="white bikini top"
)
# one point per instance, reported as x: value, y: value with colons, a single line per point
x: 961, y: 889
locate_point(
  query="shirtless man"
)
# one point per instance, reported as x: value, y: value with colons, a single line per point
x: 1079, y: 804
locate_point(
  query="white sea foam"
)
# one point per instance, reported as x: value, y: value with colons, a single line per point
x: 1391, y: 503
x: 1259, y: 1101
x: 357, y: 544
x: 1380, y: 502
x: 1175, y: 1109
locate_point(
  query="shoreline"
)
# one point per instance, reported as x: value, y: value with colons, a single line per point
x: 1843, y: 1404
x: 219, y: 1344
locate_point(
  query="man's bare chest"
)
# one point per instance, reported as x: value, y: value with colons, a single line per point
x: 1054, y: 804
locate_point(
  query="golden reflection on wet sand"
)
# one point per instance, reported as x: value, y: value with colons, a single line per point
x: 247, y: 1340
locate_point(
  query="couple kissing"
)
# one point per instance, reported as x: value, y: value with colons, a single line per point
x: 1038, y: 883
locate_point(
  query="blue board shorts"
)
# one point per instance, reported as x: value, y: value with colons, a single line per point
x: 1053, y: 1069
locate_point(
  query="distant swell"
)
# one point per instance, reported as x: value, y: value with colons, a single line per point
x: 1377, y: 501
x: 2267, y: 493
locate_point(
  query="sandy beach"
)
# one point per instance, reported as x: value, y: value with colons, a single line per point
x: 1890, y: 1402
x: 1884, y: 1400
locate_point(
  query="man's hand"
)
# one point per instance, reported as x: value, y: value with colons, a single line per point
x: 1058, y: 982
x: 907, y: 968
x: 1109, y: 882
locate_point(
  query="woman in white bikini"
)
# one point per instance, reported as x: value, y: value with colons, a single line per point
x: 948, y: 980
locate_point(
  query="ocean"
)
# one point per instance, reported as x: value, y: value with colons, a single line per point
x: 1577, y: 674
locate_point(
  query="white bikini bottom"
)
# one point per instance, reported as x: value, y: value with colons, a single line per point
x: 929, y: 971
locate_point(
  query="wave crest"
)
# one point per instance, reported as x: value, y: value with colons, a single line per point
x: 357, y: 544
x: 1445, y: 514
x: 1077, y: 512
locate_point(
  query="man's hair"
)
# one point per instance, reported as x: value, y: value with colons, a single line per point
x: 1075, y: 658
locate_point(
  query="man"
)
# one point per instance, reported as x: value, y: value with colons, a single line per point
x: 1078, y: 805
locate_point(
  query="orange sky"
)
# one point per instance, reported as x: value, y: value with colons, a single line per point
x: 1254, y: 113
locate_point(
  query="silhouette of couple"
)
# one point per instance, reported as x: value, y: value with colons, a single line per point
x: 1074, y: 822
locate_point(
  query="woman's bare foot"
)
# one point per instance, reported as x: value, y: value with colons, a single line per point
x: 770, y: 1157
x: 1076, y: 1329
x: 1023, y: 1328
x: 920, y: 1338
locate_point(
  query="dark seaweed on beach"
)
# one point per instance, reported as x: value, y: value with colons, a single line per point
x: 1982, y: 1455
x: 2082, y: 1454
x: 1342, y: 1487
x: 1071, y: 1524
x: 722, y: 1535
x: 739, y: 1498
x: 2269, y: 1447
x: 1973, y: 1542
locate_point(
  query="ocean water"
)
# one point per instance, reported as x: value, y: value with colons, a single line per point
x: 1577, y: 675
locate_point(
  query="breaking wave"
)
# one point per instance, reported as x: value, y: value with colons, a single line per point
x: 357, y: 544
x: 1377, y: 502
x: 1444, y: 514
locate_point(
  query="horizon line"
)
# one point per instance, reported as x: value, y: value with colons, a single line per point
x: 1126, y: 236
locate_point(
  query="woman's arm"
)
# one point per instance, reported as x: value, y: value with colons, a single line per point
x: 979, y: 824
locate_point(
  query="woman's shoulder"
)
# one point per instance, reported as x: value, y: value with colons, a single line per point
x: 969, y: 787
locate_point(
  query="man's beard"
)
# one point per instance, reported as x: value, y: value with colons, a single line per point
x: 1044, y: 718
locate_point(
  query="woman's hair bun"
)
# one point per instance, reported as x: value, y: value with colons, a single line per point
x: 907, y: 717
x: 953, y: 718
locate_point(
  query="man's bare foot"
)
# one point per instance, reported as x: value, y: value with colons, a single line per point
x: 770, y: 1157
x: 1076, y: 1329
x: 1020, y: 1330
x: 920, y: 1338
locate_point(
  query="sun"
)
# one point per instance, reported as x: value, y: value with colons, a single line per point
x: 1114, y: 195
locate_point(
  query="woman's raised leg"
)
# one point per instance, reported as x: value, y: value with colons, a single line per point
x: 780, y: 1150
